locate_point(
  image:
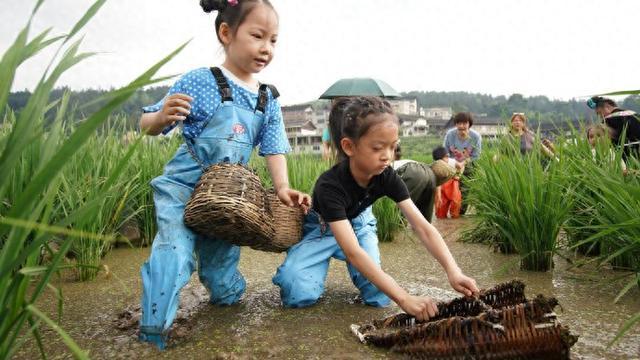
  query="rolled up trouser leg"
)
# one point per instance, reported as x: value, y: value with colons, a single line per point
x: 170, y: 265
x: 218, y: 270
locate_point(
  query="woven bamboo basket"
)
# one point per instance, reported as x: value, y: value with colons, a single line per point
x: 287, y: 223
x: 230, y: 203
x: 468, y: 328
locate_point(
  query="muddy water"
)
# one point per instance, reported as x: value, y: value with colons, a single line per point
x: 259, y: 327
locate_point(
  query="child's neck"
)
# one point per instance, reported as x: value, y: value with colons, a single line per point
x: 242, y: 75
x: 361, y: 178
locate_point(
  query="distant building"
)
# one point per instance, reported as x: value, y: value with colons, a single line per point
x: 441, y: 113
x: 437, y: 118
x: 303, y: 127
x: 407, y: 106
x: 413, y: 125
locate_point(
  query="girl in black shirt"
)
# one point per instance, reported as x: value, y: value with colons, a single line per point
x: 341, y: 224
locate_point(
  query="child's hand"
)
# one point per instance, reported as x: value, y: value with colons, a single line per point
x: 176, y: 108
x: 423, y: 308
x: 292, y: 198
x: 463, y: 284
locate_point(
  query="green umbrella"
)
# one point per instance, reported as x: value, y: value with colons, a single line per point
x: 360, y: 87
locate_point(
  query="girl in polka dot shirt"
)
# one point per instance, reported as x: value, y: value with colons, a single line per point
x: 224, y: 113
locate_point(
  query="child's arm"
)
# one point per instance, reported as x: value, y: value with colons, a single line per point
x: 176, y: 107
x: 277, y: 165
x: 421, y: 307
x: 434, y: 243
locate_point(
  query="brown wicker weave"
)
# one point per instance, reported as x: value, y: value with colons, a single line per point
x: 287, y: 223
x: 229, y: 203
x: 468, y: 328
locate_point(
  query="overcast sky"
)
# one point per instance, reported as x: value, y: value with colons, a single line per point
x: 561, y: 49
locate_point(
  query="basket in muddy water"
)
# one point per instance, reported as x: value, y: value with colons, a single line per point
x: 511, y: 328
x: 230, y: 203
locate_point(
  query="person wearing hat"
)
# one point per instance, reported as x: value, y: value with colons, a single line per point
x: 620, y: 122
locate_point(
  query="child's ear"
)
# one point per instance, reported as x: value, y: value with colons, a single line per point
x: 348, y: 146
x: 225, y: 33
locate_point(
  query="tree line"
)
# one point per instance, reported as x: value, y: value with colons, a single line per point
x: 538, y: 108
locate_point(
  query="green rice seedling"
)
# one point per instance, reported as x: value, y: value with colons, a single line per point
x: 578, y: 169
x: 31, y: 164
x: 617, y: 203
x: 616, y: 215
x: 390, y: 219
x: 84, y: 181
x: 528, y: 204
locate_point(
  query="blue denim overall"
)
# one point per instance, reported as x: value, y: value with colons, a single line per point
x: 228, y: 137
x: 302, y: 275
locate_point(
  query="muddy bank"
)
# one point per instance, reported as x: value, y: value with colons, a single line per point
x: 96, y: 316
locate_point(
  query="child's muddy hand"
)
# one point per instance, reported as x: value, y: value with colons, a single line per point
x: 423, y: 308
x: 463, y: 284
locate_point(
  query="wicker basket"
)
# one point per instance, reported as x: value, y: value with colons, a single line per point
x: 287, y: 223
x: 230, y: 203
x: 468, y: 328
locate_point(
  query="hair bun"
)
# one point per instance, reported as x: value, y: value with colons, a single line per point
x: 213, y: 5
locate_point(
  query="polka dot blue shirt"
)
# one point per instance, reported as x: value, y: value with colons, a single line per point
x: 202, y: 87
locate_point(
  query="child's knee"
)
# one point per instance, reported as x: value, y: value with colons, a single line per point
x: 297, y: 290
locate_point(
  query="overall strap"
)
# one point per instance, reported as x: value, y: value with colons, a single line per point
x: 223, y: 85
x: 225, y: 93
x: 263, y: 96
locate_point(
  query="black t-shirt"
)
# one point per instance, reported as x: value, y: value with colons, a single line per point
x: 337, y: 196
x: 618, y: 120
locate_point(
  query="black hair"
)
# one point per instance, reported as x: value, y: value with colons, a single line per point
x: 600, y: 101
x: 335, y: 122
x: 232, y: 15
x: 350, y: 117
x: 439, y: 153
x: 462, y: 117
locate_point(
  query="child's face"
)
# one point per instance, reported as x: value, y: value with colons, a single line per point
x: 593, y: 137
x: 374, y: 151
x: 251, y: 48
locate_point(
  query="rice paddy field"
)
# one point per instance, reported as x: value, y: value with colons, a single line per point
x: 77, y: 219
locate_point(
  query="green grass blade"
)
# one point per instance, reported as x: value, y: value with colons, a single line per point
x: 75, y: 349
